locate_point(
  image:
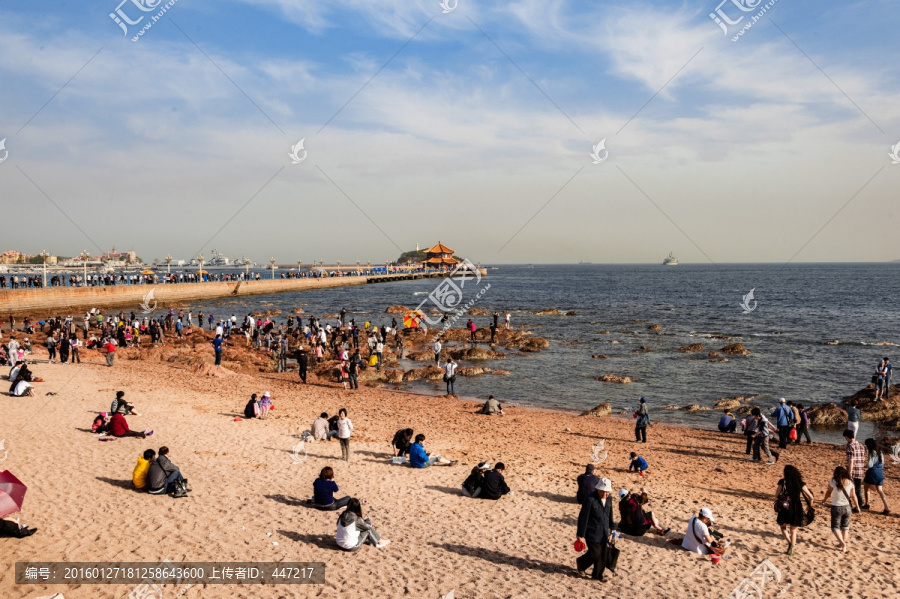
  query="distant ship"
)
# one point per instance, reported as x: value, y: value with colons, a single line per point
x: 583, y: 262
x: 671, y: 260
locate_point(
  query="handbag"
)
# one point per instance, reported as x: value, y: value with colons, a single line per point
x: 612, y: 556
x: 782, y: 502
x: 809, y: 516
x: 844, y: 491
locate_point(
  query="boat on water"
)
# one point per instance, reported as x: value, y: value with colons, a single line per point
x: 583, y: 262
x: 671, y: 260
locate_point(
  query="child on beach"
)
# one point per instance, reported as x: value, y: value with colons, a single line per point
x: 638, y: 464
x: 101, y: 423
x: 265, y: 404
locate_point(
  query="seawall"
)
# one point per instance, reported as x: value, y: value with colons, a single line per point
x: 20, y: 302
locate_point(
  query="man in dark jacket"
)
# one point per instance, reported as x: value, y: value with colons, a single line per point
x: 163, y: 474
x: 302, y: 361
x: 595, y: 524
x: 494, y: 486
x: 587, y: 482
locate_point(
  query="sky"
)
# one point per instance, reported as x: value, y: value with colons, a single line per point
x: 473, y: 123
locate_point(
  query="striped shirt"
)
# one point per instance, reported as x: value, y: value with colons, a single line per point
x: 856, y: 459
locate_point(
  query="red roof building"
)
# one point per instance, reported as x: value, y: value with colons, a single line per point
x: 440, y: 256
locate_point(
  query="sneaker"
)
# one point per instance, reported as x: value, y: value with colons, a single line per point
x: 777, y: 455
x: 753, y: 460
x: 770, y: 463
x: 667, y: 531
x: 383, y: 543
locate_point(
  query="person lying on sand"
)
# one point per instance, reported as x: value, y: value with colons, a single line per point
x: 634, y: 520
x: 418, y: 458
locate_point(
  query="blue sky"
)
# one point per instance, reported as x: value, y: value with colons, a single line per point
x: 478, y: 132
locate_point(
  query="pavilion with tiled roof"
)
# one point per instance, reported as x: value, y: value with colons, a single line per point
x: 440, y: 256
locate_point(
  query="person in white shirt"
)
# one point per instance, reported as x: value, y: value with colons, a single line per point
x: 13, y: 347
x: 437, y: 352
x: 450, y: 375
x: 344, y: 431
x: 698, y: 538
x: 379, y: 351
x: 219, y: 331
x: 843, y: 495
x: 353, y: 531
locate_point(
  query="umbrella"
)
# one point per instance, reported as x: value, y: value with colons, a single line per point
x: 146, y: 272
x: 203, y: 272
x: 411, y: 319
x: 12, y: 493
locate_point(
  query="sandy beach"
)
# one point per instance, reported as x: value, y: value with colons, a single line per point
x: 248, y: 491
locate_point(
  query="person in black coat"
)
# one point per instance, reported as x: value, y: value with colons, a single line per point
x: 595, y: 525
x: 494, y: 486
x: 302, y: 362
x: 587, y: 482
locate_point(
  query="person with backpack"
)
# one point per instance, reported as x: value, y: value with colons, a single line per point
x: 843, y: 499
x: 643, y: 421
x: 790, y: 497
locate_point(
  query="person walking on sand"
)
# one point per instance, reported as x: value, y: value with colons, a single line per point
x: 642, y: 422
x: 110, y: 348
x: 856, y: 462
x: 790, y: 497
x: 874, y: 478
x: 803, y: 426
x: 595, y: 526
x: 344, y: 431
x: 842, y: 495
x: 302, y: 364
x: 783, y: 415
x: 761, y: 439
x: 586, y: 483
x: 450, y: 375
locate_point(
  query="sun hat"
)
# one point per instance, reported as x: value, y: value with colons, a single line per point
x: 707, y: 513
x: 266, y: 394
x: 782, y: 400
x: 604, y: 485
x: 484, y: 466
x: 622, y: 493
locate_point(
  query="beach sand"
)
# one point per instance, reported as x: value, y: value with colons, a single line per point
x: 246, y: 485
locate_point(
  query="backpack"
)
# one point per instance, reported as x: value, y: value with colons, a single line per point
x: 179, y: 489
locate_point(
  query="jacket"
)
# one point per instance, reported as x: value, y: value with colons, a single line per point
x: 118, y: 426
x: 595, y: 520
x: 139, y: 475
x: 320, y: 429
x: 586, y: 482
x: 348, y: 528
x: 417, y: 456
x: 494, y: 486
x: 783, y: 414
x: 473, y: 482
x: 160, y: 469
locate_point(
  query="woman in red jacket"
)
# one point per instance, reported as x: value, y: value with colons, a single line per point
x: 118, y: 427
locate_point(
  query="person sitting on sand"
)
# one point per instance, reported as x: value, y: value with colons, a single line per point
x: 324, y: 489
x: 473, y: 484
x: 638, y: 464
x: 21, y: 388
x: 402, y: 441
x: 265, y: 404
x: 353, y: 530
x: 101, y: 423
x: 320, y: 429
x: 495, y: 486
x: 163, y: 474
x: 419, y: 458
x: 141, y: 469
x: 8, y: 528
x: 251, y: 410
x: 120, y: 406
x: 634, y: 520
x: 727, y: 423
x: 118, y: 427
x: 700, y: 538
x: 492, y: 406
x: 587, y: 482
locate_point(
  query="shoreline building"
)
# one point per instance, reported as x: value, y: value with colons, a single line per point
x: 440, y: 256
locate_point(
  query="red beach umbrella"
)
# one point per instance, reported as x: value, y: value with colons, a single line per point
x: 411, y: 319
x: 12, y: 493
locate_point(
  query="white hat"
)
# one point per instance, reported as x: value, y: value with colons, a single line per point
x: 707, y: 513
x: 484, y: 466
x: 782, y: 400
x: 604, y: 485
x: 266, y: 394
x: 622, y: 493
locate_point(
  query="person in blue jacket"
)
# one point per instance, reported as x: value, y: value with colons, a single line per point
x: 418, y: 457
x: 784, y: 415
x: 638, y: 464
